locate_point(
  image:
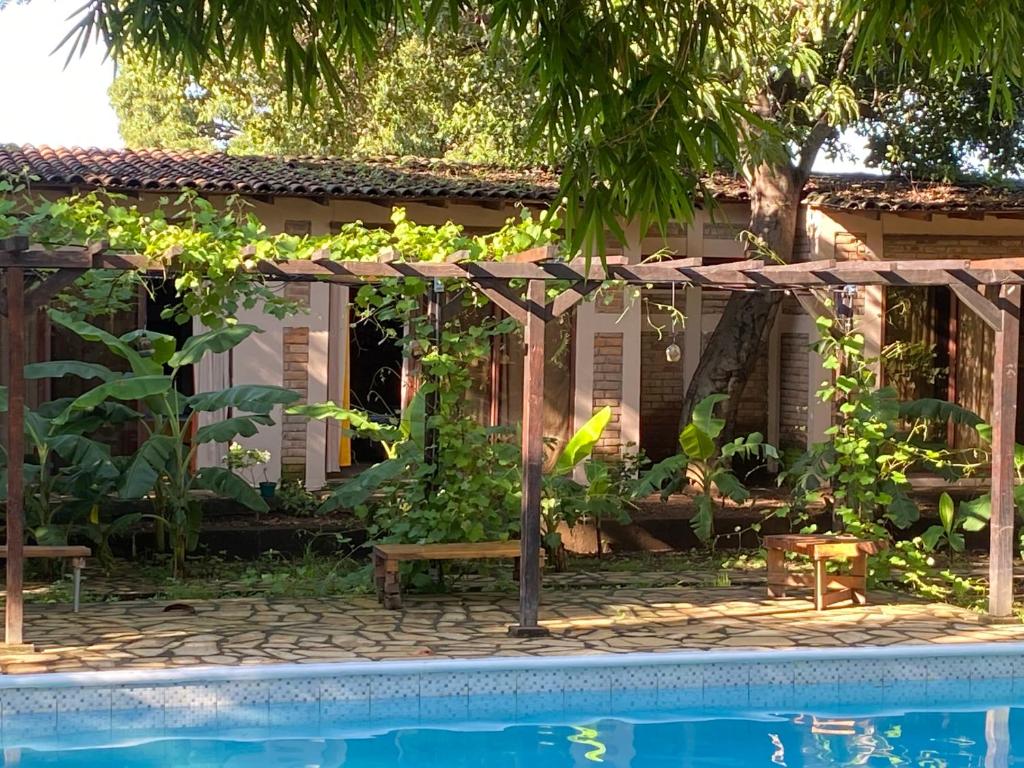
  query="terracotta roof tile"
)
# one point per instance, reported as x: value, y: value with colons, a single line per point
x: 419, y: 179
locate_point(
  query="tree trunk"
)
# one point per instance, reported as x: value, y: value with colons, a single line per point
x: 732, y: 350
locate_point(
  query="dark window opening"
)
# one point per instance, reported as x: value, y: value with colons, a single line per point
x: 375, y: 379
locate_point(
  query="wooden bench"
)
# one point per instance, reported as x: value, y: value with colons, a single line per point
x: 828, y: 588
x: 386, y: 558
x: 76, y: 555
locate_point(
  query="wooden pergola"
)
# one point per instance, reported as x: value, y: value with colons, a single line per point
x: 991, y: 288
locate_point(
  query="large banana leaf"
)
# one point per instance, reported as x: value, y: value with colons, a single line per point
x: 698, y: 437
x: 161, y: 345
x: 666, y: 477
x: 226, y: 483
x: 145, y: 468
x: 414, y: 420
x: 356, y: 422
x: 140, y: 365
x: 219, y: 340
x: 581, y: 445
x: 79, y: 450
x: 128, y: 388
x: 357, y: 490
x: 254, y: 398
x: 704, y: 415
x: 228, y: 429
x: 59, y: 368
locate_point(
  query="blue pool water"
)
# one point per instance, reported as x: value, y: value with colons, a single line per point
x: 992, y: 738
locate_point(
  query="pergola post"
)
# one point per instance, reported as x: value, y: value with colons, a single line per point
x: 533, y: 464
x: 1004, y: 423
x: 14, y: 608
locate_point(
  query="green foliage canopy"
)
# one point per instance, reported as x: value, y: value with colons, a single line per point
x: 449, y: 97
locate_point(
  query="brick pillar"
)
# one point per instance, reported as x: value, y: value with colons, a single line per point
x: 295, y: 376
x: 608, y: 390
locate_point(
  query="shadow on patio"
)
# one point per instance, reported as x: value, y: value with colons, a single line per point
x: 139, y: 634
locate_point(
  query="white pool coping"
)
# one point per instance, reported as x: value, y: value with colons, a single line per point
x: 201, y: 674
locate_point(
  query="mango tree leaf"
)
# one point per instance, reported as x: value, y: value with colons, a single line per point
x: 582, y: 443
x: 254, y: 398
x: 59, y: 368
x: 226, y: 483
x: 149, y: 462
x: 357, y: 490
x: 140, y: 365
x: 976, y: 513
x: 704, y: 416
x: 228, y: 429
x: 218, y: 340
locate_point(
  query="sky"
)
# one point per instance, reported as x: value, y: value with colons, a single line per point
x: 68, y: 106
x: 48, y: 103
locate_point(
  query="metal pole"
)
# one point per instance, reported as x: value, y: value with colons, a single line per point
x: 533, y: 464
x: 14, y: 611
x: 1004, y: 424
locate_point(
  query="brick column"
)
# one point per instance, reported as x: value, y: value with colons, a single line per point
x: 607, y: 390
x: 295, y: 376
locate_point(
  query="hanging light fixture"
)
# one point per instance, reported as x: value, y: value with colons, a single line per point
x: 846, y: 299
x: 672, y: 352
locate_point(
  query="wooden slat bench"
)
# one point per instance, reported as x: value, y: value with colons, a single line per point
x: 386, y: 558
x: 76, y: 555
x: 828, y: 588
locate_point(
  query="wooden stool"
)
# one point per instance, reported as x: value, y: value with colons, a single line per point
x: 828, y: 588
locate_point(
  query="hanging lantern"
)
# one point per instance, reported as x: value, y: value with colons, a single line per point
x: 673, y: 353
x: 846, y: 298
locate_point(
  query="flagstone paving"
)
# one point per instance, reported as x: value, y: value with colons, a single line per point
x: 258, y: 630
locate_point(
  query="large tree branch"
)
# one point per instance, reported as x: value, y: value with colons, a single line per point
x: 822, y: 129
x: 818, y: 135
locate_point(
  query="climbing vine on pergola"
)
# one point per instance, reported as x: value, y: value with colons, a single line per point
x: 535, y: 286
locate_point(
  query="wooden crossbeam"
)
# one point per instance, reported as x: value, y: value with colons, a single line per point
x: 502, y: 296
x: 980, y: 305
x: 536, y: 264
x: 572, y: 296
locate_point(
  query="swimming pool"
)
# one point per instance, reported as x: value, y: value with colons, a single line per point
x: 925, y: 705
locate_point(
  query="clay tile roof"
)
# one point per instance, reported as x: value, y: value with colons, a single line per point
x: 420, y: 179
x: 169, y: 171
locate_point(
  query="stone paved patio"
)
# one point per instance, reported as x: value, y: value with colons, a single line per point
x: 258, y: 630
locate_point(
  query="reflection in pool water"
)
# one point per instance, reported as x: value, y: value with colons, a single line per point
x: 950, y: 739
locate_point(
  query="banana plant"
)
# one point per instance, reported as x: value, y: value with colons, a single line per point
x: 403, y: 442
x: 67, y: 471
x: 162, y: 467
x: 567, y: 501
x: 704, y: 467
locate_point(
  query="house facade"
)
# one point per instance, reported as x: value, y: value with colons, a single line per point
x: 612, y: 351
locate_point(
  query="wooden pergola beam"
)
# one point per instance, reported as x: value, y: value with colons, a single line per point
x: 537, y: 267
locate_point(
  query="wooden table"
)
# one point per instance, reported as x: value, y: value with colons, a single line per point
x: 386, y: 558
x: 828, y: 588
x: 76, y: 555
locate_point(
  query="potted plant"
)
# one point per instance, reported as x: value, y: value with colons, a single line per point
x: 242, y: 459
